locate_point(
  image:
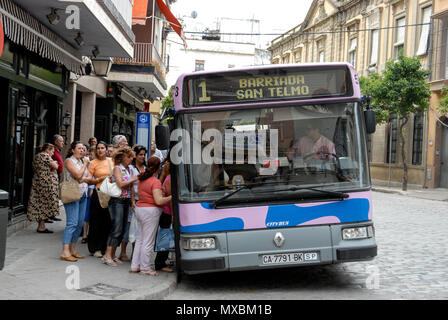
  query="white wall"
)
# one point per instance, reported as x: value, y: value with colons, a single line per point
x: 125, y: 9
x: 217, y: 55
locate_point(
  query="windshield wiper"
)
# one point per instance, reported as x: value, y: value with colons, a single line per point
x: 218, y: 201
x: 242, y: 187
x: 340, y: 195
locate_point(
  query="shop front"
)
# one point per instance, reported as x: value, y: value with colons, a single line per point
x: 32, y: 90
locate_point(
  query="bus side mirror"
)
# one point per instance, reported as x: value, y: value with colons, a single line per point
x: 369, y: 117
x: 162, y: 137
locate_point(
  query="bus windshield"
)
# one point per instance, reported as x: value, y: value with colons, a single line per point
x: 317, y: 146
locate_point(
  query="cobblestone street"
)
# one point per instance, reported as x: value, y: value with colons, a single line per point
x: 411, y: 263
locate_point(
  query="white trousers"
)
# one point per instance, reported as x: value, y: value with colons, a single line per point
x: 148, y: 224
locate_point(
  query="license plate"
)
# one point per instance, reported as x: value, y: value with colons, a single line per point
x: 289, y: 258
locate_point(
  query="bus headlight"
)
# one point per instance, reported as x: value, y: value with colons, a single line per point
x: 199, y: 244
x: 357, y: 233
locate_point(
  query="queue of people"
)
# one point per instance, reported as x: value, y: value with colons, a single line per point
x: 105, y: 223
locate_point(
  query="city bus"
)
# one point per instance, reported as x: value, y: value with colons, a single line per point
x: 270, y: 168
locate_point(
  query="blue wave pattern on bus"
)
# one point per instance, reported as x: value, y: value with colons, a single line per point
x: 290, y: 215
x: 351, y: 210
x: 228, y: 224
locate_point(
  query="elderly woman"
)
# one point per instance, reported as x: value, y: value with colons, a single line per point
x: 119, y: 206
x: 119, y: 141
x: 44, y: 201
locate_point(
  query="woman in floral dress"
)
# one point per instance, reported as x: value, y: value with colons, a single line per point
x: 44, y: 200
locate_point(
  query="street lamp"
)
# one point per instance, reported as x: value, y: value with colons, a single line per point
x: 102, y: 66
x: 23, y: 111
x: 66, y: 122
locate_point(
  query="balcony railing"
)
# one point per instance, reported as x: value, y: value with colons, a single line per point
x: 145, y: 54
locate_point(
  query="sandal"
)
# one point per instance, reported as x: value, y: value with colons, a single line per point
x: 124, y: 259
x: 117, y: 261
x: 84, y: 240
x: 148, y: 273
x: 167, y: 269
x: 109, y: 262
x: 134, y: 271
x: 44, y: 231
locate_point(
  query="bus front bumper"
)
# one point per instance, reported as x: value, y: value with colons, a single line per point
x: 279, y: 247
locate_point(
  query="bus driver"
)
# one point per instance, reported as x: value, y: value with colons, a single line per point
x: 313, y: 144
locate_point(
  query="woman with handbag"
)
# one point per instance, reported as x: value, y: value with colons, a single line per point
x: 75, y: 170
x: 44, y: 198
x: 99, y: 222
x: 147, y: 211
x: 119, y: 205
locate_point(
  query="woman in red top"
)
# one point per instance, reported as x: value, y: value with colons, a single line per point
x: 147, y: 211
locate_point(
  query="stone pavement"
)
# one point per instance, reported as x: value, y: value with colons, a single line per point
x: 33, y: 271
x: 438, y: 194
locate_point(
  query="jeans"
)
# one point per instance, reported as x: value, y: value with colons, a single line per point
x: 75, y: 212
x: 162, y: 256
x: 119, y: 210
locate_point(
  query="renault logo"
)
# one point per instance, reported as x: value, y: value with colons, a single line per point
x: 279, y: 239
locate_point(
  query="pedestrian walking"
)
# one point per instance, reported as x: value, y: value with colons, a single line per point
x: 76, y: 169
x: 43, y: 203
x: 166, y: 219
x: 99, y: 221
x: 148, y: 211
x: 119, y: 206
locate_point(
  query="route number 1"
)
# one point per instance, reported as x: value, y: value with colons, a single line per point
x: 204, y: 97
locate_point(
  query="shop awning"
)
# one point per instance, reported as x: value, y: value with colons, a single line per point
x: 139, y: 16
x: 174, y: 23
x: 22, y: 28
x: 139, y: 12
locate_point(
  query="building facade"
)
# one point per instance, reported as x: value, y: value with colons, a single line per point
x: 367, y: 34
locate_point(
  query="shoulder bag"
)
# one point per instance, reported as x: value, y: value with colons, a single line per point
x: 69, y: 190
x: 110, y: 188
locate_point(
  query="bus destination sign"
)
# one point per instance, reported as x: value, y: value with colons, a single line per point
x: 266, y: 85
